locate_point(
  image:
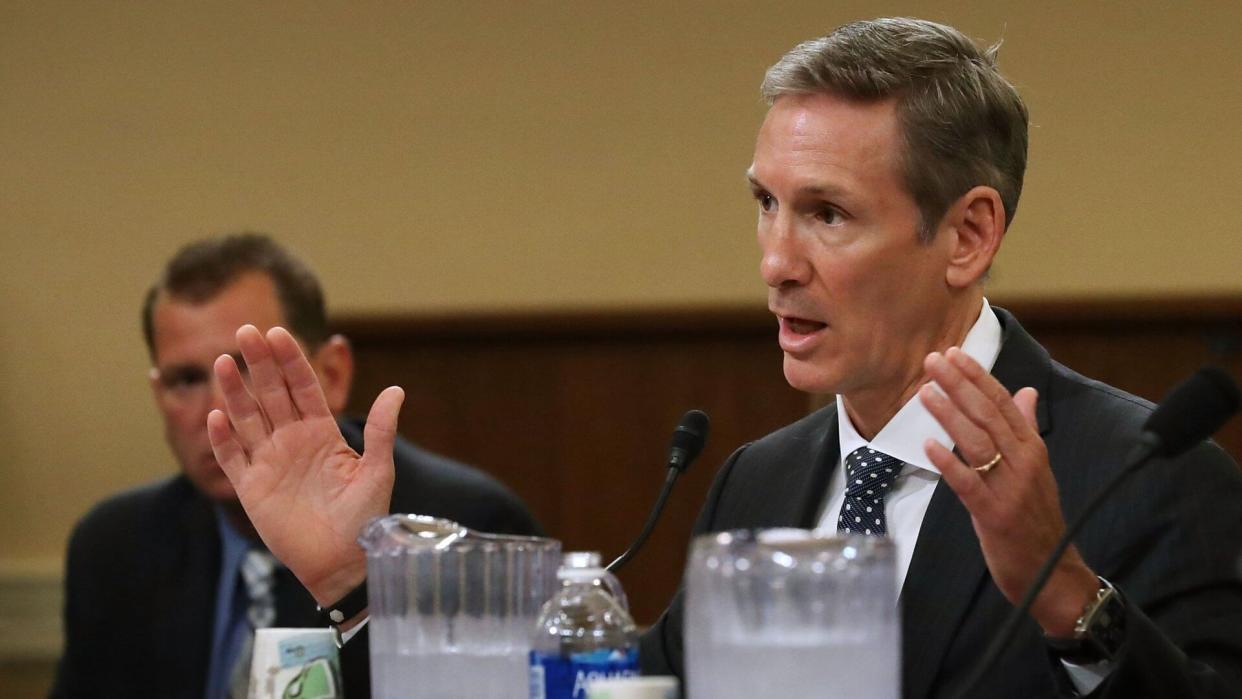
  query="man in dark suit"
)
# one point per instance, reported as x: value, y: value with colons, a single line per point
x: 886, y: 173
x: 154, y: 605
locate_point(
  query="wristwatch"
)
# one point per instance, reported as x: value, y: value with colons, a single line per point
x: 348, y: 607
x: 1098, y: 633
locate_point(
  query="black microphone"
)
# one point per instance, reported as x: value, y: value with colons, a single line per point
x: 1189, y: 414
x: 687, y: 443
x: 688, y: 439
x: 1193, y: 411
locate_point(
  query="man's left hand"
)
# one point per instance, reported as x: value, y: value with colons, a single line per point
x: 1013, y: 505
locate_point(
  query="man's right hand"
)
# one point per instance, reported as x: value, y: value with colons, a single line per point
x: 307, y: 493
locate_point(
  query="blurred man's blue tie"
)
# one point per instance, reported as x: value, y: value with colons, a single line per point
x: 258, y: 575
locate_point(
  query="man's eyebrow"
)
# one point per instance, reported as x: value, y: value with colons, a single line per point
x: 817, y: 191
x: 192, y: 366
x: 807, y: 191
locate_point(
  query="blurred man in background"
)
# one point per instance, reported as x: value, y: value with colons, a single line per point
x: 165, y: 583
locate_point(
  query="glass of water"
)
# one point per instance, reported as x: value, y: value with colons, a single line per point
x: 792, y: 613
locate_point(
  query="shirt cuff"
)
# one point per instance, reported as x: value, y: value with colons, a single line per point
x: 353, y: 631
x: 1085, y: 678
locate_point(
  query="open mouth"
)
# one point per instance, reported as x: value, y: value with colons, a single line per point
x: 802, y: 326
x: 800, y: 335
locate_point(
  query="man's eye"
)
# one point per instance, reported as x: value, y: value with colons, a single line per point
x: 766, y: 201
x: 829, y: 215
x: 184, y: 379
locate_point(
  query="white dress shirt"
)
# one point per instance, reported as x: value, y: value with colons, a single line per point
x: 902, y: 438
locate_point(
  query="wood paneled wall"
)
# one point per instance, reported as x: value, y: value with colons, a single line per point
x: 574, y: 410
x: 1144, y: 346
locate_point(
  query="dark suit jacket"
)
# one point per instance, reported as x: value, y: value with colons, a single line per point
x: 140, y: 581
x: 1170, y: 539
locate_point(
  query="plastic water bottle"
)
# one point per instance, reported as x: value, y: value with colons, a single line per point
x: 585, y: 632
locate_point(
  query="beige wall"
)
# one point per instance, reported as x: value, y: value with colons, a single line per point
x: 492, y: 155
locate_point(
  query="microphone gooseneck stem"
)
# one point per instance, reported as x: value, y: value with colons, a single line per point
x: 649, y: 525
x: 1139, y: 457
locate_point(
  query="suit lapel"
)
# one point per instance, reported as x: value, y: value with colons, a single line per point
x: 1024, y: 362
x: 948, y: 569
x: 942, y: 581
x: 184, y: 598
x: 815, y: 486
x: 780, y: 483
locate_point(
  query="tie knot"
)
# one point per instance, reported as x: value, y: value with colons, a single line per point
x: 257, y: 569
x: 870, y: 473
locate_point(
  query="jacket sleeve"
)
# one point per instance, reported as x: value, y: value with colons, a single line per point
x: 1181, y: 572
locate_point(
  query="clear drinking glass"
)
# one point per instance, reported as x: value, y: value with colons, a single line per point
x: 452, y: 610
x: 792, y: 613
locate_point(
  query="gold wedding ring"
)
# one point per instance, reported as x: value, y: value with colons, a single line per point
x: 988, y: 466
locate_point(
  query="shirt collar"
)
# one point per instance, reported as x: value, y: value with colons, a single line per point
x: 903, y: 436
x: 233, y: 544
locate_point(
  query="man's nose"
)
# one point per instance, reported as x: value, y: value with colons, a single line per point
x: 216, y: 395
x: 784, y: 261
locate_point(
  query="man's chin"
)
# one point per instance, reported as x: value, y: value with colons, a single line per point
x: 226, y: 497
x: 209, y: 479
x: 806, y: 376
x: 219, y: 491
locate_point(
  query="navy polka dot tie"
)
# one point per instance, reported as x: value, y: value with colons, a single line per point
x: 869, y: 477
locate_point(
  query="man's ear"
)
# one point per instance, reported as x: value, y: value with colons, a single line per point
x: 334, y: 362
x: 977, y: 220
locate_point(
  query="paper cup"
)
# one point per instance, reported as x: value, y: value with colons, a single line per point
x: 633, y: 688
x: 301, y: 663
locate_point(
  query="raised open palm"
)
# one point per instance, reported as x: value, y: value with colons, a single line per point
x: 307, y: 493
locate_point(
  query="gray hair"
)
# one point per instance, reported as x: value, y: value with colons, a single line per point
x: 963, y: 123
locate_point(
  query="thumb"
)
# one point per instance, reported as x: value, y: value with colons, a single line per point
x: 381, y: 429
x: 1026, y: 399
